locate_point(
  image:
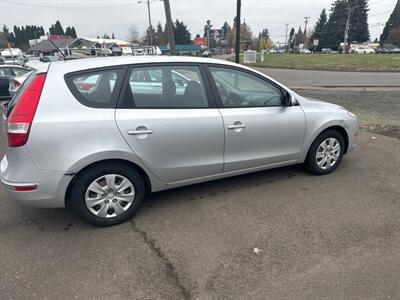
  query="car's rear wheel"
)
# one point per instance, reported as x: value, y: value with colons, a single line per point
x: 107, y: 194
x: 326, y: 153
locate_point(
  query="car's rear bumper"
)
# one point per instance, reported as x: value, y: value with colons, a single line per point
x: 32, y: 186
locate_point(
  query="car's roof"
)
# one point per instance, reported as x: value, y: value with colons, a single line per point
x: 98, y: 62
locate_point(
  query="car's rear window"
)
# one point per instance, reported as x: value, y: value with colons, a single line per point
x: 96, y: 88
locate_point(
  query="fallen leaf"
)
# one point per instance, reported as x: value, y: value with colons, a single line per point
x: 258, y: 251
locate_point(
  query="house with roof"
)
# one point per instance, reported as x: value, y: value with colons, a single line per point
x: 47, y: 47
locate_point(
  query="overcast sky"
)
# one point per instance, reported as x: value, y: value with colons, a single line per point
x: 95, y: 17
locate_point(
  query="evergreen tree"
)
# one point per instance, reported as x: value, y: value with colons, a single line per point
x: 319, y: 32
x: 291, y: 38
x: 358, y: 30
x: 73, y: 32
x: 207, y: 27
x: 225, y: 30
x: 182, y: 34
x: 299, y: 37
x: 336, y: 25
x: 392, y: 25
x: 161, y: 37
x: 264, y: 35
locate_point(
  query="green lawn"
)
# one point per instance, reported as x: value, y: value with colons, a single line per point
x: 331, y: 62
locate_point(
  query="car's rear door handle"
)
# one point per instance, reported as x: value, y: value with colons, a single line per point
x: 140, y: 132
x: 236, y: 126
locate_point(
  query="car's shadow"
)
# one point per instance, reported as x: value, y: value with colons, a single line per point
x: 64, y: 219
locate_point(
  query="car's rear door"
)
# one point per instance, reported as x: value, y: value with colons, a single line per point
x: 179, y: 136
x: 259, y: 129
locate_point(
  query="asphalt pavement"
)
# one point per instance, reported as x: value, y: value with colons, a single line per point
x: 329, y: 237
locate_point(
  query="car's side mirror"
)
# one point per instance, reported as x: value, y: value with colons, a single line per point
x: 286, y: 98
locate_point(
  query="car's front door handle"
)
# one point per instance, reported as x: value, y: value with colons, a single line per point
x: 236, y: 126
x: 140, y: 132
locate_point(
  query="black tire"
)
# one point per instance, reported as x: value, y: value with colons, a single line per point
x: 91, y: 174
x: 311, y: 160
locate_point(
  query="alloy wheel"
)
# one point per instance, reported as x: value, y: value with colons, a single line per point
x: 328, y: 153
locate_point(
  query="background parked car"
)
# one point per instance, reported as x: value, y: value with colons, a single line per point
x: 7, y: 74
x: 206, y: 54
x: 305, y: 51
x: 362, y: 50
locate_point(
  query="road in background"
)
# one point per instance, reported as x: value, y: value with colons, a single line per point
x: 312, y: 79
x: 304, y: 78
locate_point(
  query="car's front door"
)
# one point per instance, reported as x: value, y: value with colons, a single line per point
x: 177, y: 133
x: 259, y: 129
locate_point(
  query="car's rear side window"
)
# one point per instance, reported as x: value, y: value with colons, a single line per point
x: 96, y: 88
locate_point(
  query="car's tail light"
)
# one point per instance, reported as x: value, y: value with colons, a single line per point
x: 20, y: 119
x: 14, y: 85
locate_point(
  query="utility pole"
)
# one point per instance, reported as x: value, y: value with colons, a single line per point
x: 237, y: 50
x: 286, y: 39
x: 305, y: 31
x: 346, y: 33
x: 150, y: 26
x: 170, y: 30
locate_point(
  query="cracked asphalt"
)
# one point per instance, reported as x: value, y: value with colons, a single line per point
x: 330, y: 237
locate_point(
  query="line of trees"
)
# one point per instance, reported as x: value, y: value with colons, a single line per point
x: 330, y: 31
x: 21, y: 35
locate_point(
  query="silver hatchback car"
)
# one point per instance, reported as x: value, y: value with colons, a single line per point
x: 99, y: 134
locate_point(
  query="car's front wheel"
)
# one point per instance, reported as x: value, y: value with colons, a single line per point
x: 326, y: 153
x: 107, y: 194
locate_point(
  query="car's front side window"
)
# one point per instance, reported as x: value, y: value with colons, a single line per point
x: 165, y: 87
x: 242, y: 89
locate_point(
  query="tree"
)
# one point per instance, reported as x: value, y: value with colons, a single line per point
x: 70, y: 31
x: 393, y: 24
x: 56, y: 28
x: 291, y: 38
x: 225, y: 30
x: 207, y: 28
x: 319, y: 32
x: 299, y: 37
x: 113, y: 36
x: 336, y: 25
x: 246, y: 36
x: 358, y: 30
x: 161, y: 36
x: 266, y: 44
x: 182, y: 34
x: 147, y: 38
x: 263, y: 35
x: 133, y: 35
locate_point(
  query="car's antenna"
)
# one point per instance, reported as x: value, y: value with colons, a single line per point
x: 57, y: 49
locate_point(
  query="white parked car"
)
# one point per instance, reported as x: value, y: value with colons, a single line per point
x: 362, y: 50
x: 305, y: 51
